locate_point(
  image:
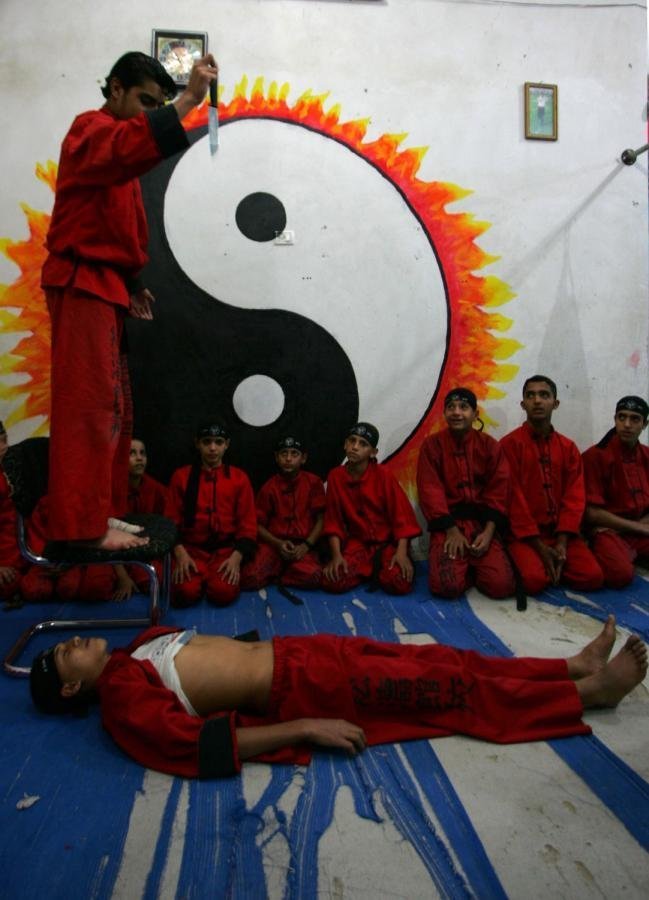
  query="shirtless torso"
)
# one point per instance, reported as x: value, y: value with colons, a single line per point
x: 221, y: 673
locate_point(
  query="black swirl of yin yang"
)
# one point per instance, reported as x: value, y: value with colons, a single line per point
x: 350, y: 320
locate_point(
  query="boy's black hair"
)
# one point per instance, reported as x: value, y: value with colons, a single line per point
x: 134, y: 68
x: 45, y: 686
x: 545, y: 378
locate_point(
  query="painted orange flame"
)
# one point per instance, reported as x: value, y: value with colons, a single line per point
x: 23, y: 313
x: 475, y: 351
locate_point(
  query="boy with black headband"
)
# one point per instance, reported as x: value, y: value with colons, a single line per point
x: 369, y: 521
x: 617, y: 494
x: 213, y: 505
x: 290, y: 508
x: 548, y: 498
x: 463, y: 484
x: 198, y: 705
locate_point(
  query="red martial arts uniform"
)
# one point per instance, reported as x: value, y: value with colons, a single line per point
x: 288, y: 508
x: 9, y: 553
x: 369, y: 515
x: 395, y: 692
x: 148, y: 497
x: 97, y: 245
x: 548, y: 498
x: 225, y: 520
x: 617, y: 479
x: 466, y: 484
x: 42, y: 583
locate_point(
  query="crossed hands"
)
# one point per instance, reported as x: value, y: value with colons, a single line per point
x: 292, y: 552
x: 553, y: 558
x: 457, y: 544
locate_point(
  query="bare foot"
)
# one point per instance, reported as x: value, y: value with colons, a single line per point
x: 114, y: 539
x: 125, y: 526
x: 608, y: 686
x: 594, y: 656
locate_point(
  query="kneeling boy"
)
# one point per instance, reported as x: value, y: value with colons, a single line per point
x: 616, y: 472
x: 197, y: 705
x: 463, y: 484
x: 548, y: 498
x: 290, y: 508
x: 213, y: 505
x: 368, y: 519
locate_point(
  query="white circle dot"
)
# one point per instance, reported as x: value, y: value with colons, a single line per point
x: 258, y: 400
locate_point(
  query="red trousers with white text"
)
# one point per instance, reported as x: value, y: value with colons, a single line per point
x: 449, y: 578
x: 401, y: 692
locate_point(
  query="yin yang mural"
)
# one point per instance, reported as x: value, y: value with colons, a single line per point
x: 304, y: 277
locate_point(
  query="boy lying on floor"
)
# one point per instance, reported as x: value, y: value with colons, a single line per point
x: 197, y: 705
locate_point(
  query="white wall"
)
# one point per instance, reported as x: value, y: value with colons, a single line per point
x: 568, y: 221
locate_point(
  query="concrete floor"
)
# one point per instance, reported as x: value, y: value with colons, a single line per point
x: 449, y: 818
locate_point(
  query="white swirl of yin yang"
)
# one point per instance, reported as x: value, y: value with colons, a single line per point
x: 361, y: 266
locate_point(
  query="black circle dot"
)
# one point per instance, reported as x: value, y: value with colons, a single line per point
x: 261, y: 217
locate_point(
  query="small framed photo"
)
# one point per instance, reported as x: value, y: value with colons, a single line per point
x: 177, y: 50
x: 541, y: 112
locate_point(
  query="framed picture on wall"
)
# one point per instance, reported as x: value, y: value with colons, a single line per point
x: 541, y: 112
x: 177, y: 50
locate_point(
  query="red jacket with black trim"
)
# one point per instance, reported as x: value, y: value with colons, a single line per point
x: 617, y: 478
x: 98, y: 235
x: 225, y: 506
x: 468, y: 479
x: 148, y: 721
x: 373, y: 508
x: 289, y: 507
x: 548, y: 493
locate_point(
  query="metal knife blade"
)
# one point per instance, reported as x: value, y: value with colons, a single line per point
x: 213, y: 117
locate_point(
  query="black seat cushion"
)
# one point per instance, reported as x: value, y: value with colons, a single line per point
x: 162, y: 534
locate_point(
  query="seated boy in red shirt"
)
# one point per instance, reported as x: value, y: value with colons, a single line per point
x: 145, y: 495
x: 548, y: 498
x: 12, y: 564
x: 213, y: 505
x: 290, y: 509
x: 616, y: 472
x: 463, y: 484
x: 368, y: 519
